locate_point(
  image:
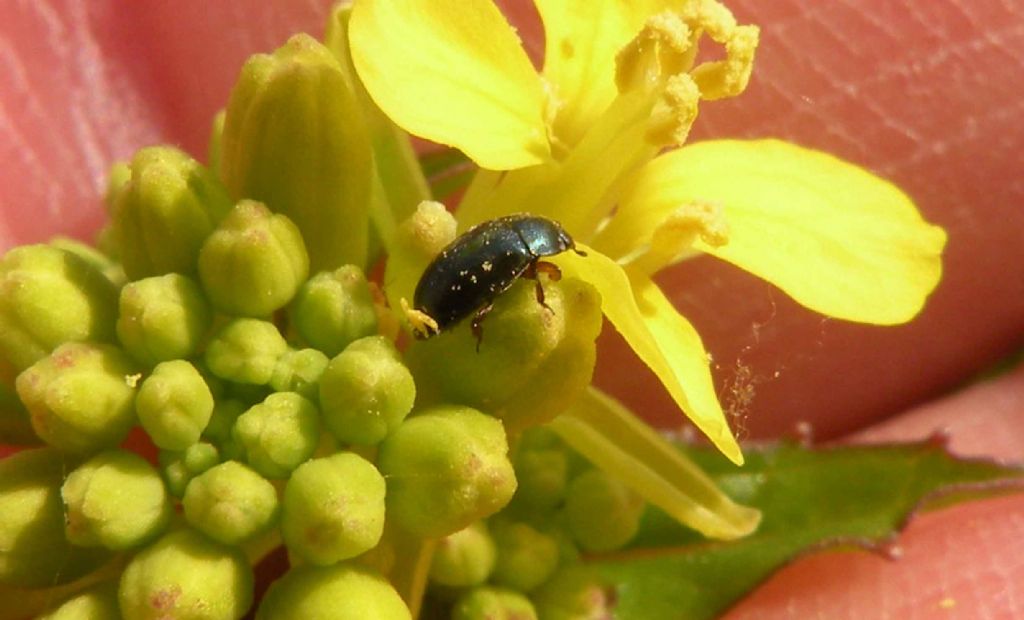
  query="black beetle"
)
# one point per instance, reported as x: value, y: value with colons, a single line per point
x: 482, y: 263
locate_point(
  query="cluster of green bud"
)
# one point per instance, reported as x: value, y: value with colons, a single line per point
x: 526, y: 561
x: 228, y: 320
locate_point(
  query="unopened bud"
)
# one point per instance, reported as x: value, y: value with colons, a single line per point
x: 81, y: 397
x: 470, y: 477
x: 526, y: 557
x: 278, y: 435
x: 465, y: 558
x: 187, y: 575
x: 299, y: 371
x: 33, y: 550
x: 246, y: 351
x: 230, y: 503
x: 334, y: 308
x: 116, y: 499
x: 333, y: 508
x: 366, y: 392
x: 162, y: 318
x: 47, y: 297
x: 174, y: 405
x: 294, y: 139
x: 254, y: 262
x: 491, y: 603
x: 340, y: 591
x: 165, y: 211
x: 602, y: 513
x: 96, y: 603
x: 179, y: 468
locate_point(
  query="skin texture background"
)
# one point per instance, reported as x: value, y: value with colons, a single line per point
x: 924, y: 93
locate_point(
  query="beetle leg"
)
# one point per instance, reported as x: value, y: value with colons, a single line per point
x: 551, y: 270
x: 476, y: 324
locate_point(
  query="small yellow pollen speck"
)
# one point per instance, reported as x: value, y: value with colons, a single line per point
x: 947, y: 603
x: 132, y: 381
x: 472, y: 279
x: 463, y: 272
x: 487, y: 266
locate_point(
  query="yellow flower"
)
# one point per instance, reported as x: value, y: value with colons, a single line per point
x: 585, y: 142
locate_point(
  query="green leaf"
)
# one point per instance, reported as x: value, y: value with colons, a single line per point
x: 810, y: 498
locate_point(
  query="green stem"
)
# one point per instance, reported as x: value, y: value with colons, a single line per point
x: 412, y: 558
x: 614, y: 439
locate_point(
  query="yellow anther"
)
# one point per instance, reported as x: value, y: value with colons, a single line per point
x: 729, y: 77
x: 674, y: 113
x: 675, y: 236
x: 663, y: 48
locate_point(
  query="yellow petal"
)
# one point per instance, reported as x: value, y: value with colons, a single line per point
x: 835, y: 237
x: 452, y: 71
x: 582, y: 38
x: 614, y: 439
x: 661, y: 337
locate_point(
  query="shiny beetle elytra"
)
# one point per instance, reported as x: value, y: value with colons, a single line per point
x: 472, y: 271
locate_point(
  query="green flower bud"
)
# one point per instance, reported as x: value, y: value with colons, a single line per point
x: 446, y: 468
x: 574, y: 593
x: 254, y: 262
x: 526, y: 557
x: 490, y: 603
x: 246, y: 351
x: 533, y: 362
x: 33, y: 550
x: 333, y: 508
x: 47, y: 297
x: 174, y: 405
x: 179, y: 468
x: 117, y: 500
x: 96, y: 603
x: 465, y: 558
x: 334, y: 308
x: 230, y: 503
x: 342, y: 591
x: 278, y: 435
x: 294, y: 139
x: 80, y: 397
x: 602, y: 513
x: 366, y: 392
x: 299, y: 371
x: 164, y: 213
x: 186, y: 576
x: 542, y: 469
x: 162, y: 318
